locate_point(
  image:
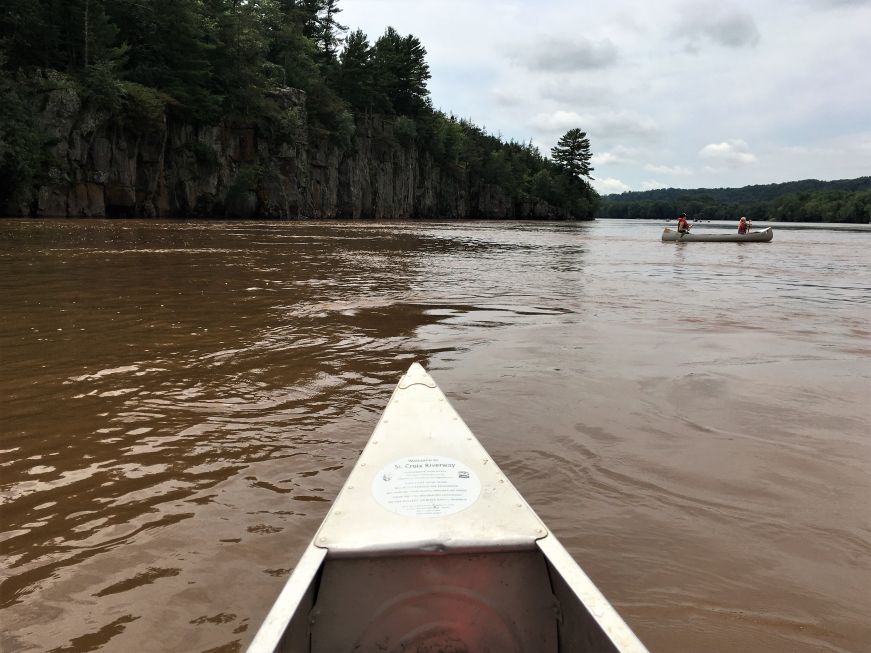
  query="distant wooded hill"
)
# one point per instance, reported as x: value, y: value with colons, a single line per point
x: 809, y: 200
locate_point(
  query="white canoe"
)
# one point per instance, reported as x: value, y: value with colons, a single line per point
x: 428, y: 547
x: 753, y: 237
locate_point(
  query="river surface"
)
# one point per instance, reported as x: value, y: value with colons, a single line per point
x: 182, y: 400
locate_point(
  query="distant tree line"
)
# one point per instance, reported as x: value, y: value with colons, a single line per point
x: 204, y: 61
x: 810, y: 200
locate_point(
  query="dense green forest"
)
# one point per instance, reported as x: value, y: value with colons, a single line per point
x: 210, y: 61
x: 810, y: 200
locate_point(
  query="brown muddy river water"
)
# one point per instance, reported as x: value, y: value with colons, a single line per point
x: 182, y: 401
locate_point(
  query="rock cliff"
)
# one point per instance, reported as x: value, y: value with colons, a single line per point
x: 106, y: 167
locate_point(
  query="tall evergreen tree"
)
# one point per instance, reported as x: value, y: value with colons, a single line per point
x: 355, y: 80
x: 401, y: 72
x: 572, y: 153
x: 330, y: 31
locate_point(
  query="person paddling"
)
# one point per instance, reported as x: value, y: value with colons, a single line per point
x: 743, y: 225
x: 683, y: 226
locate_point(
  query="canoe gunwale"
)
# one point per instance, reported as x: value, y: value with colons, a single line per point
x: 585, y: 591
x: 302, y: 581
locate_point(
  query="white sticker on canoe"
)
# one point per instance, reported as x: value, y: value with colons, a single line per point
x: 426, y: 486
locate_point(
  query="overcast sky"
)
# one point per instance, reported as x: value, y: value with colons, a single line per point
x: 681, y: 93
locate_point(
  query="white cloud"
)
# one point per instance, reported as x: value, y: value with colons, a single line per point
x: 605, y: 126
x: 652, y: 184
x: 722, y: 23
x: 606, y: 158
x: 668, y: 170
x: 609, y: 186
x: 732, y: 153
x: 507, y: 97
x: 573, y: 91
x: 839, y: 3
x: 563, y: 54
x: 556, y: 121
x: 619, y: 155
x: 622, y: 125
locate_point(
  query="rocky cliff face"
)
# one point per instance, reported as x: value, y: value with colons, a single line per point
x: 106, y: 168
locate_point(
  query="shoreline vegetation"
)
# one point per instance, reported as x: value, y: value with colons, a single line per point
x: 810, y: 200
x: 273, y: 109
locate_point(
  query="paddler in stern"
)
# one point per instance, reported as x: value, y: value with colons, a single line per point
x: 683, y: 226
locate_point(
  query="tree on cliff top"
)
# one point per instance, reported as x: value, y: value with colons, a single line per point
x: 355, y: 80
x: 572, y: 153
x: 401, y: 71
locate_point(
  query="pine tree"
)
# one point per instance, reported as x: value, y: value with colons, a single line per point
x: 572, y: 153
x: 355, y: 80
x: 401, y: 72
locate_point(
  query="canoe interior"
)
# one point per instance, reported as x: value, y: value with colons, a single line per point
x: 510, y: 602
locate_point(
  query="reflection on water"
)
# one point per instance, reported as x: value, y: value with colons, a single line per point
x: 181, y: 402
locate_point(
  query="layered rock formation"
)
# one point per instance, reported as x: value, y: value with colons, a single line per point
x: 104, y: 167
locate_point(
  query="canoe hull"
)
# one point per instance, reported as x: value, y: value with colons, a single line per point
x: 764, y: 236
x: 429, y: 547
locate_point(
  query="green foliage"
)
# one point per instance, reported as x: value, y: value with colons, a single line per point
x: 322, y: 26
x: 541, y: 184
x: 400, y: 72
x: 442, y: 136
x: 405, y: 130
x: 288, y: 125
x: 172, y: 47
x: 356, y: 75
x: 65, y: 35
x: 518, y: 168
x: 144, y: 107
x: 572, y: 153
x: 102, y: 88
x: 344, y: 129
x: 23, y: 145
x: 798, y: 201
